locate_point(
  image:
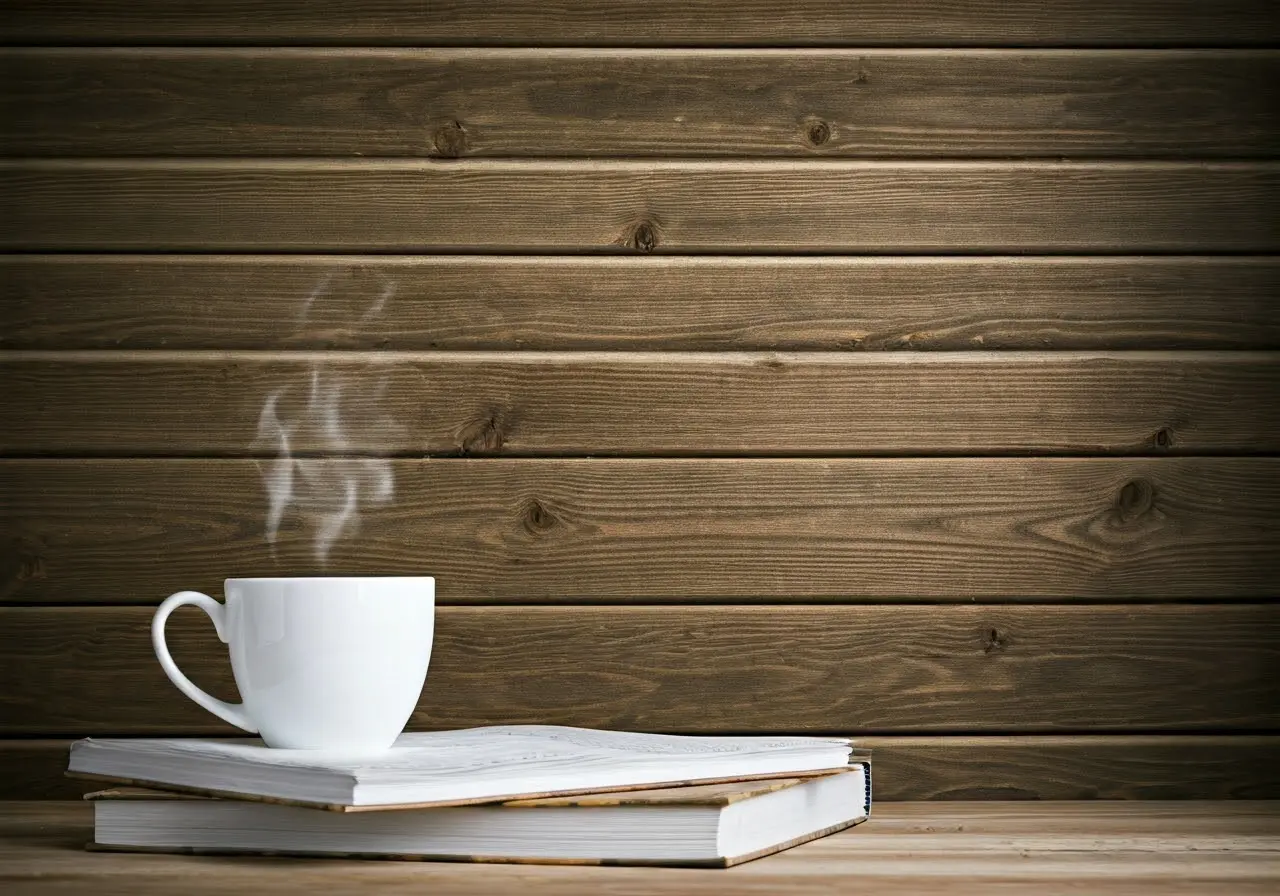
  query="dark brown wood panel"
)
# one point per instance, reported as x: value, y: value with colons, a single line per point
x: 617, y: 206
x: 673, y: 303
x: 176, y: 404
x: 865, y: 670
x: 523, y: 103
x: 530, y: 531
x: 34, y: 770
x: 645, y: 22
x: 1019, y: 767
x: 1134, y: 767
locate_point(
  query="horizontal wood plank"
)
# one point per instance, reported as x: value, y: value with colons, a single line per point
x: 651, y: 22
x: 1018, y: 767
x: 531, y: 531
x: 1067, y: 767
x: 666, y: 302
x: 34, y: 769
x: 602, y: 103
x: 866, y: 670
x: 176, y: 404
x: 619, y: 206
x: 920, y: 849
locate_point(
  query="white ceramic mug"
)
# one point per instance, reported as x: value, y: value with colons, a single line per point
x: 321, y: 663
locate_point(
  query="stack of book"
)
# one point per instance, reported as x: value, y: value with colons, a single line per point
x: 524, y: 793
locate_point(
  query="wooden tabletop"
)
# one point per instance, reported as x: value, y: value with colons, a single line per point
x: 921, y: 848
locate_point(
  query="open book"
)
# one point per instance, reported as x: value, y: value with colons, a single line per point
x: 474, y: 765
x: 717, y: 824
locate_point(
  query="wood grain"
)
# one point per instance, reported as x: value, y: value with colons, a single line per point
x: 922, y: 849
x: 175, y: 404
x: 602, y: 103
x: 622, y: 207
x: 1074, y: 767
x: 648, y: 23
x: 669, y: 303
x: 866, y: 670
x: 1017, y: 767
x: 533, y: 531
x: 35, y: 770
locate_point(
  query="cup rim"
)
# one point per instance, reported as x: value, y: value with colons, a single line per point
x: 329, y: 579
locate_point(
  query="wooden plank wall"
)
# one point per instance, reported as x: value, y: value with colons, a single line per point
x: 906, y: 370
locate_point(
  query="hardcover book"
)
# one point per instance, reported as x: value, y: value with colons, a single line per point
x: 446, y: 768
x: 713, y: 825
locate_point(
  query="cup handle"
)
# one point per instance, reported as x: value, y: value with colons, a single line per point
x: 230, y: 712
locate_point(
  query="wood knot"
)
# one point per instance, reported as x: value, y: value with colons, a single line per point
x: 450, y: 140
x: 1163, y: 439
x: 20, y: 561
x: 31, y: 567
x: 1134, y: 499
x: 484, y: 436
x: 537, y: 517
x: 643, y: 238
x: 819, y: 132
x: 993, y: 639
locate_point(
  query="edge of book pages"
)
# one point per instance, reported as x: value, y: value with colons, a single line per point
x: 857, y: 758
x: 728, y: 862
x: 595, y: 798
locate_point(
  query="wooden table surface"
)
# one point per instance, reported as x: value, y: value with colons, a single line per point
x: 921, y: 848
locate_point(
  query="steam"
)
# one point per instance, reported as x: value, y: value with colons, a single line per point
x: 335, y: 422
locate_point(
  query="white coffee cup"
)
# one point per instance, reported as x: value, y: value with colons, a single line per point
x: 321, y: 663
